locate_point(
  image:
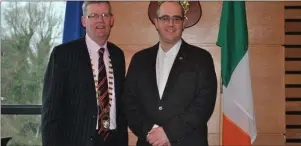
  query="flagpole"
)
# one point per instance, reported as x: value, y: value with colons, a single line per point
x: 221, y: 111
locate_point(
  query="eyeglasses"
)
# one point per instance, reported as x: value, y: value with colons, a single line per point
x: 176, y: 19
x: 103, y: 15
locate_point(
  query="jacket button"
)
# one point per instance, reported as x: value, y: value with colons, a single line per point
x: 91, y: 137
x: 160, y: 108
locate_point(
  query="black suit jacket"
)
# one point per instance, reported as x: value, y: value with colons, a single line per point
x: 187, y: 102
x: 69, y: 107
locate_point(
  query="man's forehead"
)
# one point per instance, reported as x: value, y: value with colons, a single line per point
x: 98, y: 7
x: 170, y: 9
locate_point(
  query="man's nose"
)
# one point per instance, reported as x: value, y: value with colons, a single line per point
x: 170, y: 22
x: 100, y: 18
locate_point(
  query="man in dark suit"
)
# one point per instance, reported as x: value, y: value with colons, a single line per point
x: 170, y: 89
x: 83, y: 85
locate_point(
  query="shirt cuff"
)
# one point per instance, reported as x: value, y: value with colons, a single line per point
x: 155, y: 126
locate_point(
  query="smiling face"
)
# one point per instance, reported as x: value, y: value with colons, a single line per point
x: 170, y: 22
x: 98, y: 21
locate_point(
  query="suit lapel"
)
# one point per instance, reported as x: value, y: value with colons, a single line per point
x: 85, y: 60
x: 152, y: 73
x: 173, y: 75
x: 174, y: 72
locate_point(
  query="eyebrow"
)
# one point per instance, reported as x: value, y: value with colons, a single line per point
x: 171, y: 15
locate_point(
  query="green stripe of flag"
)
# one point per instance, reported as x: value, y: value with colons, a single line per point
x: 232, y: 37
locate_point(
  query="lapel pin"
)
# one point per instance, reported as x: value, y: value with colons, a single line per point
x: 180, y: 58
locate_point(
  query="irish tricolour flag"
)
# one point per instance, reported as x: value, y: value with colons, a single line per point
x: 239, y: 128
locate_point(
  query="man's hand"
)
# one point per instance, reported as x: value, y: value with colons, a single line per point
x: 157, y: 137
x: 167, y: 144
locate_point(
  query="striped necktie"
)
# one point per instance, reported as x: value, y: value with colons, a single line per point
x: 103, y: 96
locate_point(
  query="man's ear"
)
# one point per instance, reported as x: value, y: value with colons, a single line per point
x: 83, y: 20
x: 112, y: 21
x: 155, y: 20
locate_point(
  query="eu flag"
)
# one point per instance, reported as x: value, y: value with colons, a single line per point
x: 73, y: 28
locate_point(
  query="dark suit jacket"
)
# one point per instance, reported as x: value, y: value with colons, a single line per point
x: 69, y: 110
x: 187, y: 102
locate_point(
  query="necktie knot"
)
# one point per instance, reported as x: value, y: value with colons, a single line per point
x: 101, y: 51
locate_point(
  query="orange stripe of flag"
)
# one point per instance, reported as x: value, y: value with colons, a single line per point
x: 234, y: 135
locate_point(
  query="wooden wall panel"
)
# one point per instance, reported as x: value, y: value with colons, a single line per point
x: 130, y: 50
x: 269, y: 140
x: 293, y: 133
x: 292, y: 14
x: 292, y: 65
x: 205, y: 31
x: 292, y: 26
x: 267, y: 74
x: 293, y: 92
x: 293, y: 106
x: 293, y: 72
x: 293, y: 52
x: 293, y: 119
x: 292, y: 144
x: 132, y: 25
x: 259, y: 20
x: 265, y: 23
x: 293, y: 39
x: 292, y: 3
x: 292, y: 79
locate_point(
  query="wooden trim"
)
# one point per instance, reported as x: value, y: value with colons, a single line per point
x: 292, y: 79
x: 292, y: 26
x: 292, y: 20
x: 292, y: 85
x: 292, y: 59
x: 293, y: 106
x: 293, y: 133
x: 292, y: 3
x: 292, y: 144
x: 293, y: 33
x: 293, y: 112
x: 293, y: 140
x: 293, y: 119
x: 293, y: 65
x: 292, y: 46
x: 269, y: 139
x: 292, y: 14
x: 292, y: 72
x: 293, y: 52
x: 292, y: 7
x: 293, y: 99
x: 293, y: 92
x: 293, y: 39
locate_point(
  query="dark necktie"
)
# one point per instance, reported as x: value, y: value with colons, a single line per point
x: 103, y: 96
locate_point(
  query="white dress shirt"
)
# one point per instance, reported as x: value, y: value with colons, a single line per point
x: 93, y: 48
x: 164, y: 64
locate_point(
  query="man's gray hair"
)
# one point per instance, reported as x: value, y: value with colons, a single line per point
x: 86, y: 3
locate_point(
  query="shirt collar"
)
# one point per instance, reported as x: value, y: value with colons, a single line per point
x: 173, y: 51
x: 92, y: 45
